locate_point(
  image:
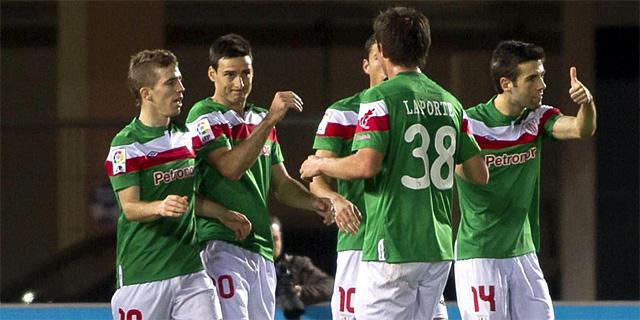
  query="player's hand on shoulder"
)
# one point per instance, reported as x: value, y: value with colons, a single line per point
x: 173, y: 206
x: 238, y: 223
x: 282, y: 102
x: 347, y: 216
x: 578, y: 92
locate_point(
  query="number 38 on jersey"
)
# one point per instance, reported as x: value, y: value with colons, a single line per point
x: 444, y: 143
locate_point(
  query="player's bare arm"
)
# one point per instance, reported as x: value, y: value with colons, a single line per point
x: 236, y: 221
x: 584, y: 123
x: 365, y: 163
x: 474, y: 170
x: 134, y: 209
x: 232, y: 163
x: 347, y: 215
x: 292, y: 193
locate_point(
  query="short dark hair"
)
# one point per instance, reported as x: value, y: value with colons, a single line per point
x: 228, y: 46
x: 367, y: 46
x: 405, y: 36
x: 142, y: 69
x: 506, y: 58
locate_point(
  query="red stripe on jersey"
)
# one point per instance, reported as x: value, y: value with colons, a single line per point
x: 485, y: 143
x: 145, y: 162
x: 337, y: 130
x: 379, y: 123
x: 243, y: 131
x: 523, y: 139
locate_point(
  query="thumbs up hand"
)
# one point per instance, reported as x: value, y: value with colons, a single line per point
x: 578, y: 92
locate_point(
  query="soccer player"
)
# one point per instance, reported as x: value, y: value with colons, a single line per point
x: 497, y: 271
x: 333, y: 139
x: 240, y: 163
x: 410, y: 135
x: 151, y: 168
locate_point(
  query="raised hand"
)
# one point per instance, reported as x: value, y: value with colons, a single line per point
x: 578, y: 92
x: 173, y: 206
x: 282, y: 102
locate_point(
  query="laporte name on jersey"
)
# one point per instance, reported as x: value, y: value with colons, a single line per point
x: 432, y: 108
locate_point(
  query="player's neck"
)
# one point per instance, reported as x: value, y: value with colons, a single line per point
x: 394, y: 69
x: 506, y: 107
x: 237, y: 107
x: 152, y: 119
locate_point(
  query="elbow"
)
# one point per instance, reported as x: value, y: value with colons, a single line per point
x: 231, y: 174
x: 482, y: 180
x: 367, y: 170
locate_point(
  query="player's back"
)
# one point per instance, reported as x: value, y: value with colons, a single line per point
x: 417, y: 125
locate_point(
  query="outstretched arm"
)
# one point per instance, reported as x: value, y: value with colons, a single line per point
x: 584, y: 123
x: 233, y: 163
x: 292, y: 193
x: 347, y: 214
x: 365, y: 163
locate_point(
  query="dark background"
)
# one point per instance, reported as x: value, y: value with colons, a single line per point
x: 64, y: 96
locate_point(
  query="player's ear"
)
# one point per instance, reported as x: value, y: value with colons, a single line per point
x: 506, y: 84
x: 365, y: 66
x: 211, y: 72
x: 146, y: 94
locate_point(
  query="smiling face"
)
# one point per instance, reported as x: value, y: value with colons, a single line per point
x: 528, y: 89
x: 232, y: 79
x: 166, y: 94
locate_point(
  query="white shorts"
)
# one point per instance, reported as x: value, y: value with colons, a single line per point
x: 401, y: 291
x: 190, y: 296
x: 245, y: 280
x: 510, y: 288
x: 344, y: 287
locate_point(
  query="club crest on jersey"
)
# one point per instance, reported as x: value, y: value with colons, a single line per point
x: 364, y: 121
x: 119, y: 160
x: 204, y: 130
x: 266, y: 150
x: 152, y: 154
x: 322, y: 127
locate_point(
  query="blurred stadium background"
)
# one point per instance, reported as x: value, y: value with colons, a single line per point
x: 64, y: 96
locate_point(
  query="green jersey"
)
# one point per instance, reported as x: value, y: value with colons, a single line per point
x: 419, y: 128
x: 500, y: 220
x: 160, y: 161
x: 335, y: 134
x: 220, y: 127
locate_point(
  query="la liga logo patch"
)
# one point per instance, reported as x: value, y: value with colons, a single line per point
x: 119, y: 160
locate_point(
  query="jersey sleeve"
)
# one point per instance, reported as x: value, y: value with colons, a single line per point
x: 276, y: 151
x: 210, y: 132
x: 549, y: 118
x: 336, y: 128
x: 467, y: 144
x: 372, y: 130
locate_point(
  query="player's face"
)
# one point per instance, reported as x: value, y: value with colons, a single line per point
x: 529, y: 87
x: 166, y: 94
x: 373, y: 66
x: 232, y: 80
x: 277, y: 240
